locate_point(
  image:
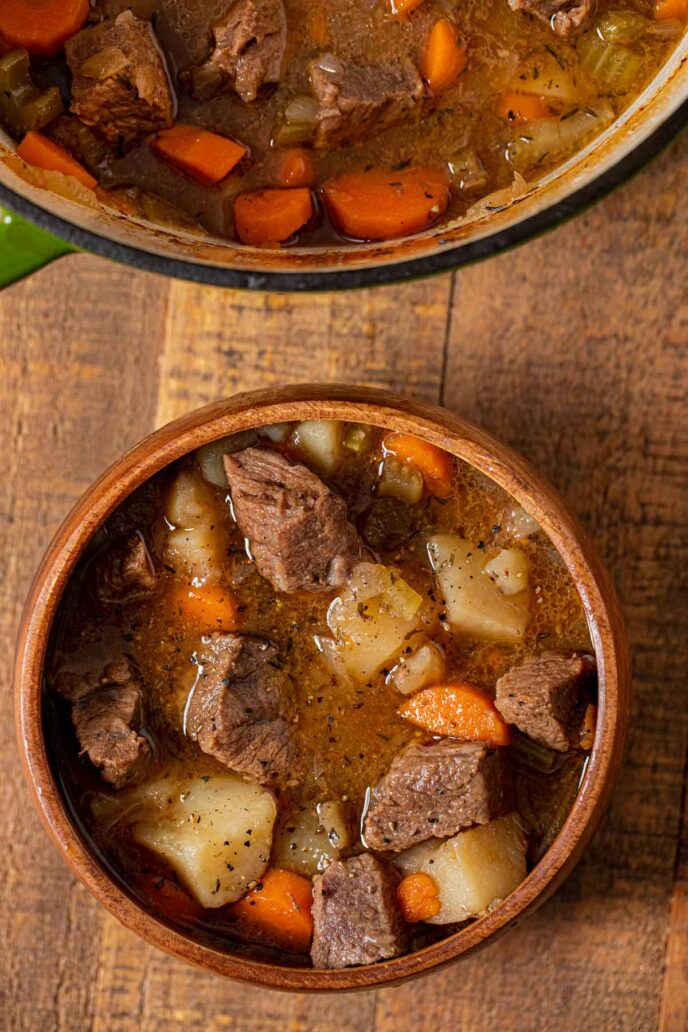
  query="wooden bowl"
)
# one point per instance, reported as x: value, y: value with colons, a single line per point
x: 386, y: 410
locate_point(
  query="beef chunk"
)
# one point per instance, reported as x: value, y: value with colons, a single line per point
x: 358, y: 102
x: 247, y: 51
x: 543, y: 697
x: 119, y: 82
x: 564, y: 16
x: 239, y: 706
x: 107, y: 713
x: 128, y: 572
x: 298, y: 529
x: 355, y: 915
x: 436, y: 790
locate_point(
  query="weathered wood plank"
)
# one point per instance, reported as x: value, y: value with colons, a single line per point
x: 219, y: 342
x: 674, y: 1012
x: 78, y: 369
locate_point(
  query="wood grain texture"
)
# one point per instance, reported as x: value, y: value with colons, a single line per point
x: 72, y: 398
x: 573, y: 349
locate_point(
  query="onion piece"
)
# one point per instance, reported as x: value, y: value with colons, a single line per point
x: 519, y: 524
x: 548, y: 139
x: 423, y: 667
x: 510, y: 570
x: 301, y: 109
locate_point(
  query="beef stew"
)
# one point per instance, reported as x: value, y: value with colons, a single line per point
x: 256, y: 745
x: 281, y: 122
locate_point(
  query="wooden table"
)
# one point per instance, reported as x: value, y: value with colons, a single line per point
x: 573, y: 349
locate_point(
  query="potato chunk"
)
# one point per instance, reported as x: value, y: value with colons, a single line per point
x: 475, y: 606
x: 209, y: 457
x: 472, y: 870
x: 307, y: 841
x: 320, y: 440
x: 215, y: 834
x: 195, y: 545
x: 373, y: 619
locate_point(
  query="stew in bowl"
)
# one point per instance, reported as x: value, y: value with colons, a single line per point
x: 320, y: 693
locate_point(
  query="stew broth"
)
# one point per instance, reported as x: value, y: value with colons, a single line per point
x: 345, y: 725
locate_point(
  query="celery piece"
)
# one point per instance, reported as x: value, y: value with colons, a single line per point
x: 288, y: 133
x: 525, y: 752
x: 467, y: 171
x: 622, y: 26
x: 401, y: 598
x: 14, y: 70
x: 22, y: 105
x: 541, y: 74
x: 358, y: 438
x: 41, y: 109
x: 615, y: 66
x: 400, y: 481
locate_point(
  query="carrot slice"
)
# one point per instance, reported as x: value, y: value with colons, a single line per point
x: 199, y: 153
x: 42, y: 26
x: 457, y: 711
x: 399, y: 7
x: 210, y: 607
x: 445, y: 56
x: 671, y: 10
x: 36, y: 149
x: 418, y: 897
x: 517, y: 108
x: 271, y: 216
x: 588, y: 727
x: 168, y: 897
x: 279, y: 909
x: 293, y: 167
x: 381, y: 204
x: 436, y: 465
x: 318, y: 28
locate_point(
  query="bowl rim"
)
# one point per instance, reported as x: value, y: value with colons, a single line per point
x: 449, y: 259
x: 393, y: 411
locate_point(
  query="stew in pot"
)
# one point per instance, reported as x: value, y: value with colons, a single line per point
x: 320, y: 692
x: 299, y: 121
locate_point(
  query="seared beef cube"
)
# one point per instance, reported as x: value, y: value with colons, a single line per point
x: 298, y: 529
x: 435, y: 790
x: 119, y: 81
x: 128, y: 572
x: 107, y: 717
x: 543, y: 697
x: 356, y: 102
x: 238, y: 708
x: 247, y: 51
x: 564, y: 16
x: 355, y: 914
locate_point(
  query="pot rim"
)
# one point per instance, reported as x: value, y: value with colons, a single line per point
x: 443, y: 260
x: 384, y: 409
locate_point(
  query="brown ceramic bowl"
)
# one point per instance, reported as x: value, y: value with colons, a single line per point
x: 387, y: 410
